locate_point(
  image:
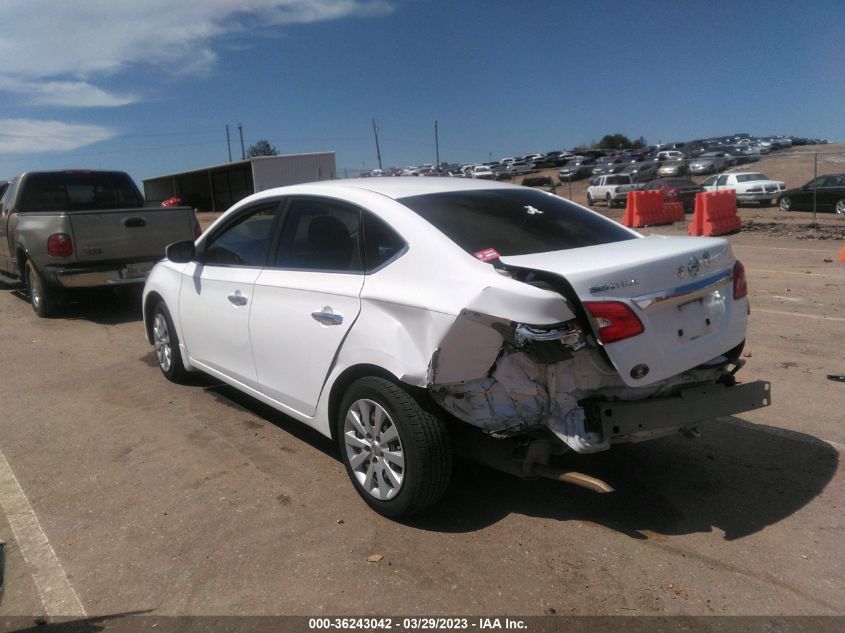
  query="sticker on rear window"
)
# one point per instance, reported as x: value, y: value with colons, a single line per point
x: 487, y: 254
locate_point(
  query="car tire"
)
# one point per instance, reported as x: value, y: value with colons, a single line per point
x: 166, y: 344
x: 839, y: 207
x: 609, y: 201
x: 589, y: 200
x: 785, y: 203
x: 397, y: 453
x: 46, y: 300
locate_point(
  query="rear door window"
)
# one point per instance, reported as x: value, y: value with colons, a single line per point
x: 321, y: 234
x: 381, y: 243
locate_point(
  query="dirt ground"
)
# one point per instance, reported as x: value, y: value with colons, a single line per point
x: 195, y: 500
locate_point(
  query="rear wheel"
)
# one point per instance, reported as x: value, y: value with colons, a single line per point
x: 166, y: 343
x: 840, y: 207
x: 589, y: 199
x: 45, y: 299
x: 397, y: 454
x: 785, y: 203
x: 609, y: 201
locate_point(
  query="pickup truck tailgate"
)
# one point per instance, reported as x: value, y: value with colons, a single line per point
x: 129, y: 234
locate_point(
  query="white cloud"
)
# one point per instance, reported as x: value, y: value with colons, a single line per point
x: 26, y: 136
x: 52, y: 50
x: 79, y: 94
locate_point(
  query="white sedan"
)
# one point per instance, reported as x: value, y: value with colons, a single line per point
x: 750, y: 186
x: 405, y: 317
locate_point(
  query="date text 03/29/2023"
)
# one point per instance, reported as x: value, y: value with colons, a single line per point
x: 416, y: 623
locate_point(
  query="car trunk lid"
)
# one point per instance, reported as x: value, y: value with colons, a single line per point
x: 679, y: 288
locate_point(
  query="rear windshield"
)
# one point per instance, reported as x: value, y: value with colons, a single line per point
x: 69, y: 191
x: 514, y: 222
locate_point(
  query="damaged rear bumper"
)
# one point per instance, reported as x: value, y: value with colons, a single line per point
x: 636, y: 421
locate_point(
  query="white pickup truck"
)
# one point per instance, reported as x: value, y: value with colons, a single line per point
x: 749, y: 186
x: 612, y: 188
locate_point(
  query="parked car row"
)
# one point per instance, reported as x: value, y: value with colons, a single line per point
x: 825, y: 193
x: 614, y: 189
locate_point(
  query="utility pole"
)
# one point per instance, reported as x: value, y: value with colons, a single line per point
x: 815, y: 187
x: 228, y: 143
x: 241, y: 132
x: 378, y: 150
x: 436, y: 147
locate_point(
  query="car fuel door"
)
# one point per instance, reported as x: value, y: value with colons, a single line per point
x: 306, y: 300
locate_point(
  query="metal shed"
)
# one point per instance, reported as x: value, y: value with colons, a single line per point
x: 218, y: 187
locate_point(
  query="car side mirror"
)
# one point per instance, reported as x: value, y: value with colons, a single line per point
x: 181, y: 252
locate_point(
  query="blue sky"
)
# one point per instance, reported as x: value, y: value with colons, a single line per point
x: 148, y: 86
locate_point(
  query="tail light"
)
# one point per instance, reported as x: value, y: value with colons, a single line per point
x: 615, y: 320
x: 740, y: 283
x: 59, y: 245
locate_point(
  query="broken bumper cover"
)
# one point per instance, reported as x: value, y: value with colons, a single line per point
x: 644, y: 419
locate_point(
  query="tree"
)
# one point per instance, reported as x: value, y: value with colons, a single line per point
x: 619, y: 141
x: 262, y: 148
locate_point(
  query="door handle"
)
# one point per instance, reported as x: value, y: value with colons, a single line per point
x: 133, y: 223
x: 238, y: 299
x: 327, y: 316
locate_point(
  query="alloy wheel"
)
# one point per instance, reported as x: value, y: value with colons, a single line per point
x: 161, y: 341
x: 373, y: 449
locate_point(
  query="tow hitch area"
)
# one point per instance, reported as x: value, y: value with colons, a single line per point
x: 633, y: 420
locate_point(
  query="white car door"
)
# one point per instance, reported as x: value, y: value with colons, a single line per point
x: 217, y: 291
x: 306, y: 300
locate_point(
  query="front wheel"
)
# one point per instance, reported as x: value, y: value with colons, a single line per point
x: 589, y: 200
x: 166, y: 343
x: 785, y: 203
x: 397, y: 454
x: 840, y: 207
x: 45, y: 299
x: 609, y: 201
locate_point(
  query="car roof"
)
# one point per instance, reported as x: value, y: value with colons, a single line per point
x: 394, y: 186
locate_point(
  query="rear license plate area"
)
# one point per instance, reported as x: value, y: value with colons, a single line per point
x: 698, y: 317
x: 134, y: 271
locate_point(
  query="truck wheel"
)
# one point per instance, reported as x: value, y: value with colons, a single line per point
x: 166, y: 343
x: 397, y: 454
x: 589, y: 199
x: 609, y: 201
x: 45, y: 299
x: 785, y: 203
x: 840, y: 207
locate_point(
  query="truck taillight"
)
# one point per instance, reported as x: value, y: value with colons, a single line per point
x: 59, y: 245
x: 615, y: 320
x: 740, y: 283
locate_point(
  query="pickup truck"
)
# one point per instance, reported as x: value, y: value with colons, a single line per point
x: 612, y: 188
x: 80, y: 229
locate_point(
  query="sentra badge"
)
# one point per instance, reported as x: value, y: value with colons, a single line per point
x: 613, y: 285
